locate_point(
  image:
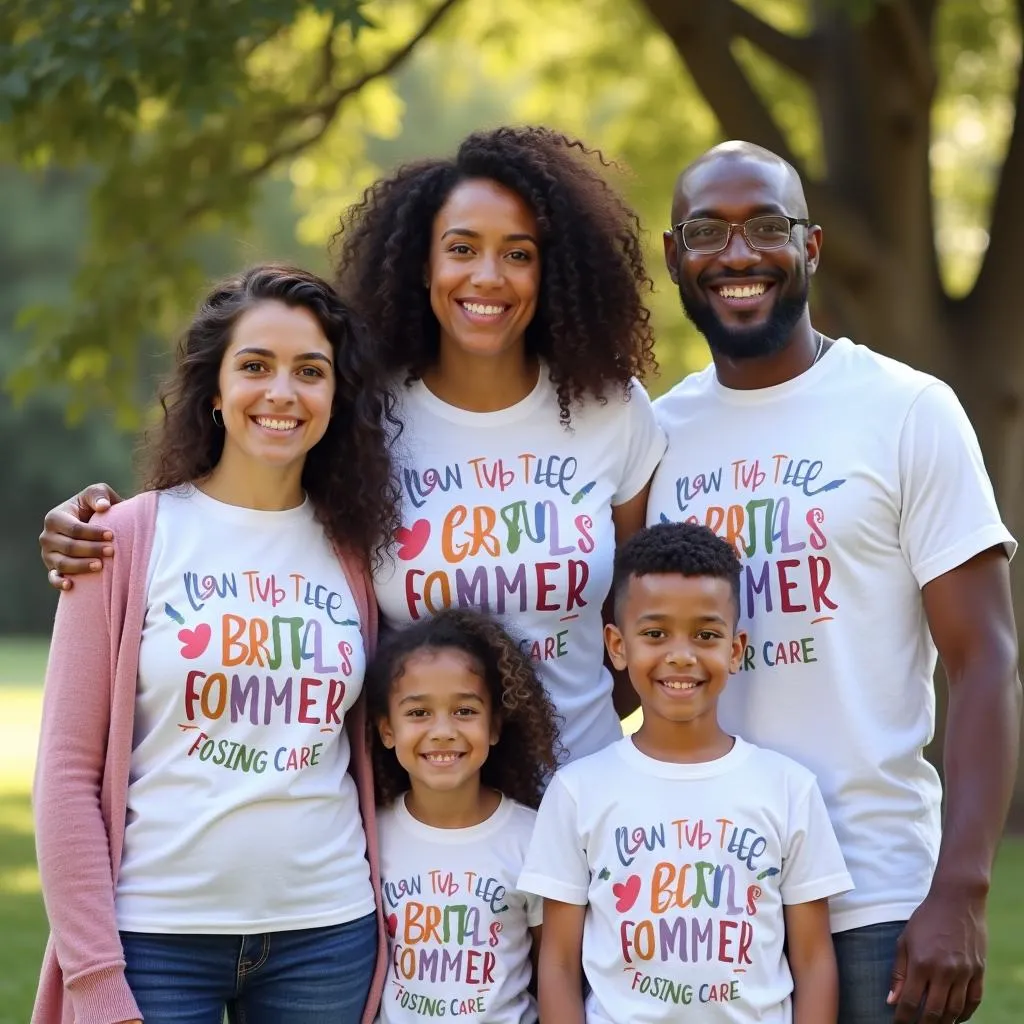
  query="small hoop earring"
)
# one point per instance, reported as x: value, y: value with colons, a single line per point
x: 218, y: 419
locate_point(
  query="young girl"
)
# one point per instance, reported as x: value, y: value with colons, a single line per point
x: 199, y: 834
x: 467, y: 736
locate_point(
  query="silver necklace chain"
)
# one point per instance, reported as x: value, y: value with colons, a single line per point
x: 821, y: 348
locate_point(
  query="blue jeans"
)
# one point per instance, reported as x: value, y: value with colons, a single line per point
x: 308, y: 976
x: 865, y: 957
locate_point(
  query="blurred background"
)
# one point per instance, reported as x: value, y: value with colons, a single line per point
x: 145, y: 147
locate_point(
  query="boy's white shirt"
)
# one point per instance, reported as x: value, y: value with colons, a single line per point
x: 685, y: 870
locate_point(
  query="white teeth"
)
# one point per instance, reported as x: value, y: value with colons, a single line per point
x: 481, y: 310
x: 442, y: 758
x: 265, y: 421
x: 679, y: 686
x: 743, y: 291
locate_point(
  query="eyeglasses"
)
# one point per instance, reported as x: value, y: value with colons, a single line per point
x: 707, y: 234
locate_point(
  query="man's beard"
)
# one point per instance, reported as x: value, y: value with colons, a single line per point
x: 748, y: 342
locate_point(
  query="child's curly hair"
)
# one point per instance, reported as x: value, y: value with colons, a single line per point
x: 527, y: 751
x: 592, y: 326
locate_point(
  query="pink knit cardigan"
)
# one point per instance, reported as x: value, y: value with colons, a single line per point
x: 81, y: 783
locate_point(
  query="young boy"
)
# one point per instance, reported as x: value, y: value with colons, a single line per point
x: 675, y: 863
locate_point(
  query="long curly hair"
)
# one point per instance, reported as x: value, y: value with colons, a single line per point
x: 527, y: 751
x: 347, y: 473
x: 592, y: 326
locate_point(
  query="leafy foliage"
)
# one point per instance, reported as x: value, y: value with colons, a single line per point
x: 182, y: 109
x: 74, y: 74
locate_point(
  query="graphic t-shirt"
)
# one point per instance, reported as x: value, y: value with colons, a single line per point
x: 459, y: 941
x: 845, y: 491
x: 242, y: 816
x: 684, y: 870
x: 511, y: 512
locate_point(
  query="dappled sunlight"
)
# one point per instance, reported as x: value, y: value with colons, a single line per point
x: 971, y: 122
x: 19, y: 882
x: 16, y: 814
x: 19, y: 731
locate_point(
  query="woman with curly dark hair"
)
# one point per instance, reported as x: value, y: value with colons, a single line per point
x: 467, y: 737
x: 503, y: 288
x: 199, y: 828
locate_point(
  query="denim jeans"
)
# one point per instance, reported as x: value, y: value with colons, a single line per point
x: 308, y: 976
x: 865, y: 957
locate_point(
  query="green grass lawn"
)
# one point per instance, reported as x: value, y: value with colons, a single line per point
x: 23, y: 927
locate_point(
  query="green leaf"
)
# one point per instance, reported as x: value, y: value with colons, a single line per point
x: 15, y: 85
x: 121, y: 95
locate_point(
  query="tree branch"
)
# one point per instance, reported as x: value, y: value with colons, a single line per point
x: 1000, y: 266
x: 326, y: 59
x: 909, y: 26
x: 329, y: 107
x: 797, y: 53
x: 324, y: 111
x: 701, y: 33
x: 850, y: 247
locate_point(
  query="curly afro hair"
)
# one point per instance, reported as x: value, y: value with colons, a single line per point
x: 527, y: 751
x: 347, y: 473
x: 684, y: 549
x: 591, y: 327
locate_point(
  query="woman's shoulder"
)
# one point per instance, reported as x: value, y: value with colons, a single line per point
x: 131, y: 514
x: 616, y: 403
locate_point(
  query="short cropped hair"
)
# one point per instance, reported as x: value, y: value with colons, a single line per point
x: 685, y: 549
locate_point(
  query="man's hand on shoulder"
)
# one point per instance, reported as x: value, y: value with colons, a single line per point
x: 69, y: 544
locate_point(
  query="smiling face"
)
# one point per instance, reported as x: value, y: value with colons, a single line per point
x: 440, y: 722
x: 484, y: 269
x: 276, y: 386
x: 675, y: 635
x: 745, y: 301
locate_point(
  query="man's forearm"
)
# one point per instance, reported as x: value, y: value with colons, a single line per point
x: 982, y: 746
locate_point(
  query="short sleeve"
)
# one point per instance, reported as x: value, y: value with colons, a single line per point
x: 949, y: 511
x: 534, y: 910
x: 645, y: 444
x: 813, y: 867
x: 556, y: 864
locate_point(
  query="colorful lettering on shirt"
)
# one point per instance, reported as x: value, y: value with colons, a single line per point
x: 780, y: 532
x: 445, y: 928
x: 696, y: 905
x: 505, y: 557
x: 249, y: 665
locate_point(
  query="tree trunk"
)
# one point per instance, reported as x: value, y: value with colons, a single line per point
x: 879, y: 281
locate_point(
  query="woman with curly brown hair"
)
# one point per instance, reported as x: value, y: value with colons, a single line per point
x: 503, y: 288
x: 467, y: 736
x: 198, y: 819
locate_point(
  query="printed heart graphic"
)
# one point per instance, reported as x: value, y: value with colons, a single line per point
x: 413, y: 539
x: 626, y: 893
x: 194, y: 641
x: 392, y: 924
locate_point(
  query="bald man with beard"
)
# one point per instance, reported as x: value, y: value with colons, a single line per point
x: 855, y: 492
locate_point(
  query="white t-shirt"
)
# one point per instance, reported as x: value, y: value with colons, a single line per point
x: 684, y: 870
x: 242, y: 816
x: 459, y: 941
x: 845, y: 490
x: 511, y: 512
